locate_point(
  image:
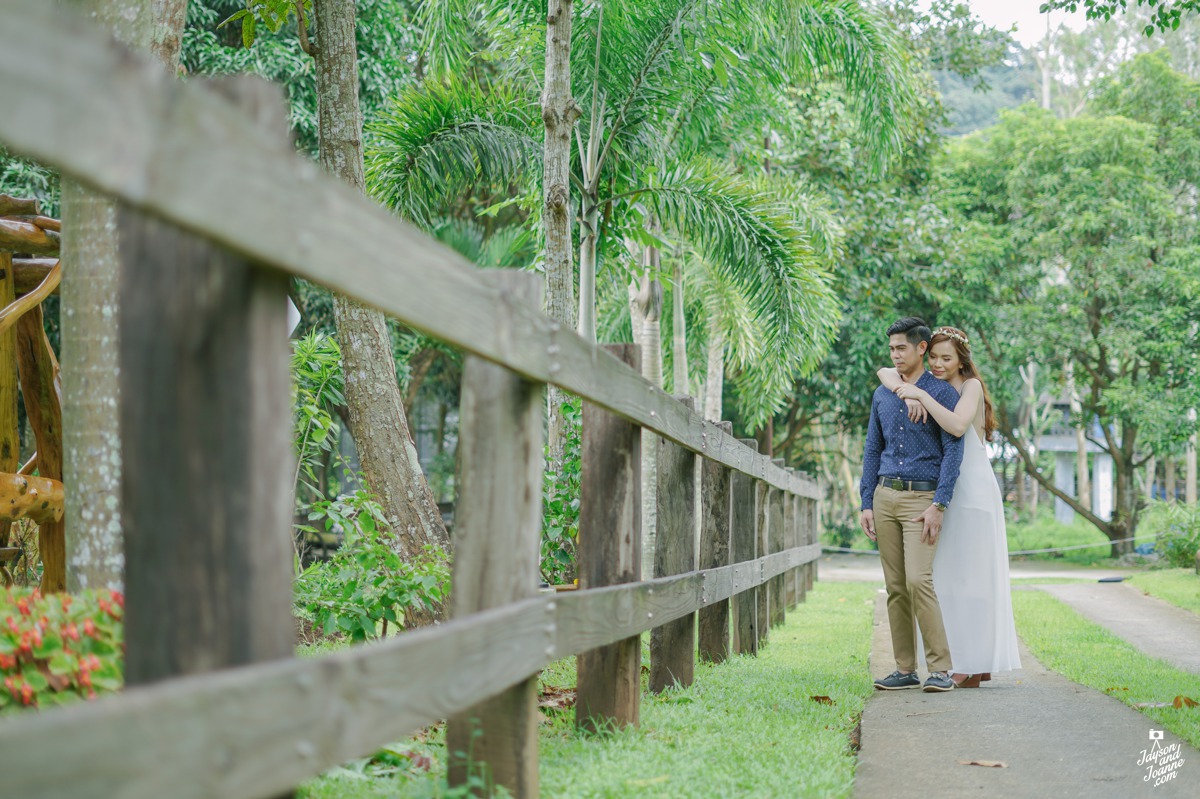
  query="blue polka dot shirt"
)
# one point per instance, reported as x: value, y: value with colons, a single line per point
x: 898, y: 447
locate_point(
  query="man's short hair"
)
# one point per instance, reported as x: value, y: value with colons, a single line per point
x: 913, y: 328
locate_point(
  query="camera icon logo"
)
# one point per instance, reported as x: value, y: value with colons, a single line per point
x: 1156, y: 735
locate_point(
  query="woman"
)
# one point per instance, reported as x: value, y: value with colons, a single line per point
x: 970, y: 568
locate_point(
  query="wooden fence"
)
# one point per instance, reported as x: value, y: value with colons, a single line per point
x: 219, y: 210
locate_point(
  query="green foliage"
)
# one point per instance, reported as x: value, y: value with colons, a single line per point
x: 366, y: 583
x: 319, y: 386
x: 1179, y: 525
x: 560, y: 503
x: 272, y: 13
x: 59, y: 648
x: 1167, y: 14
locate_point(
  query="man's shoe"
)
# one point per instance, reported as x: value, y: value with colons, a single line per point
x: 898, y: 680
x: 939, y: 681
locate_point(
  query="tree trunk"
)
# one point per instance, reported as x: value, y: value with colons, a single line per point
x: 1169, y: 479
x: 559, y: 113
x: 1019, y: 477
x: 1083, y: 484
x: 377, y: 419
x: 589, y: 234
x: 714, y: 377
x: 1151, y: 476
x: 679, y: 358
x: 646, y: 308
x: 89, y: 319
x: 1189, y: 489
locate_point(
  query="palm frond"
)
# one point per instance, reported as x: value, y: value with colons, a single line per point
x: 440, y: 140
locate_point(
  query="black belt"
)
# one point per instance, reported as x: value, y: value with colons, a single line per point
x: 896, y: 484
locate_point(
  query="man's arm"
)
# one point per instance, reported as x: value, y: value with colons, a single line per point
x: 952, y: 455
x: 872, y: 451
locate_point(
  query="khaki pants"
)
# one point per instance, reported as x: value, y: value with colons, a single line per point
x: 908, y: 575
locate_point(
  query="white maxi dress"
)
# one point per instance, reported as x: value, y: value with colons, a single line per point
x: 970, y: 570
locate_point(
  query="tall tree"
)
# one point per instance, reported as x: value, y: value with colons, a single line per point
x: 89, y: 323
x: 378, y: 420
x: 1166, y: 14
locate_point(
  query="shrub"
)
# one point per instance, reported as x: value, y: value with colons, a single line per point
x: 1179, y: 526
x: 366, y: 583
x: 59, y: 648
x: 560, y: 503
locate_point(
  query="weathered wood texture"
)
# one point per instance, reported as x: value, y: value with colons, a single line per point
x: 25, y: 237
x: 609, y: 553
x: 743, y: 524
x: 181, y: 152
x: 811, y: 537
x: 256, y: 730
x: 496, y: 545
x: 30, y: 272
x: 10, y: 206
x: 715, y: 552
x: 791, y: 577
x: 10, y: 440
x: 762, y: 514
x: 774, y: 545
x: 27, y: 497
x: 673, y: 645
x: 12, y: 310
x: 42, y: 392
x: 206, y: 483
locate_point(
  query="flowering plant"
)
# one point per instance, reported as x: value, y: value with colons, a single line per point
x: 59, y: 648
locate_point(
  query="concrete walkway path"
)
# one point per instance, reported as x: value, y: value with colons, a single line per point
x: 1157, y: 628
x: 1058, y: 739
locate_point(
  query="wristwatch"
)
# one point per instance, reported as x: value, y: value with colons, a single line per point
x: 940, y: 506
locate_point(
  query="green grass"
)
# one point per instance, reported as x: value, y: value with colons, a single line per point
x: 745, y: 728
x: 1180, y: 587
x: 1045, y: 532
x: 1090, y: 655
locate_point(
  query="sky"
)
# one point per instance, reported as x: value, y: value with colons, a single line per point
x: 1031, y: 25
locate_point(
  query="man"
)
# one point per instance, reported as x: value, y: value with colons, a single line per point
x: 909, y: 471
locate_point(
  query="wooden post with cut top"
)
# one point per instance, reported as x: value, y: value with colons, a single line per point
x: 207, y: 463
x: 673, y: 645
x: 715, y: 551
x: 743, y: 525
x: 608, y: 689
x: 496, y: 548
x: 775, y: 535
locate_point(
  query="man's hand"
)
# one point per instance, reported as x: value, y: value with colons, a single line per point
x: 916, y: 411
x: 932, y: 519
x: 867, y: 521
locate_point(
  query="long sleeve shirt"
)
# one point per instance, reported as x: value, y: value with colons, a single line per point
x: 898, y: 447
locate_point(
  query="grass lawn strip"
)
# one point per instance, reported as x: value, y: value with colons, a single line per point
x: 1180, y: 587
x: 745, y: 728
x: 1090, y: 655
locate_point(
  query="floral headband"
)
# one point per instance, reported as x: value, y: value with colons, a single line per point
x: 950, y: 332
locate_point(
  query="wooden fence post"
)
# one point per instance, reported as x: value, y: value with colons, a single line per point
x: 10, y: 441
x: 813, y: 537
x: 743, y: 525
x: 800, y: 536
x: 207, y: 462
x: 791, y: 577
x: 762, y: 494
x: 673, y: 645
x: 775, y: 536
x: 609, y: 678
x: 715, y: 551
x: 496, y: 548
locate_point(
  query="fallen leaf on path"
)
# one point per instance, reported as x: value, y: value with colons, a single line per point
x: 824, y: 700
x: 986, y: 763
x: 1183, y: 701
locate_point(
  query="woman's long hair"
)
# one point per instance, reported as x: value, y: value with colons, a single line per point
x: 968, y: 370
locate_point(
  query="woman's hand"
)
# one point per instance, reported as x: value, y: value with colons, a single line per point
x: 907, y: 391
x: 916, y: 411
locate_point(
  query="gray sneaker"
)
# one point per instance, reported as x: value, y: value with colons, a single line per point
x: 939, y: 681
x: 898, y: 680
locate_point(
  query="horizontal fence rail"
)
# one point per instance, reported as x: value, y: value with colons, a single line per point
x: 119, y: 123
x: 258, y: 730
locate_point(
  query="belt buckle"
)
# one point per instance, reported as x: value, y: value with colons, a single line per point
x: 897, y: 485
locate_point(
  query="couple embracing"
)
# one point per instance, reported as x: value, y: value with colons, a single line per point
x: 931, y: 502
